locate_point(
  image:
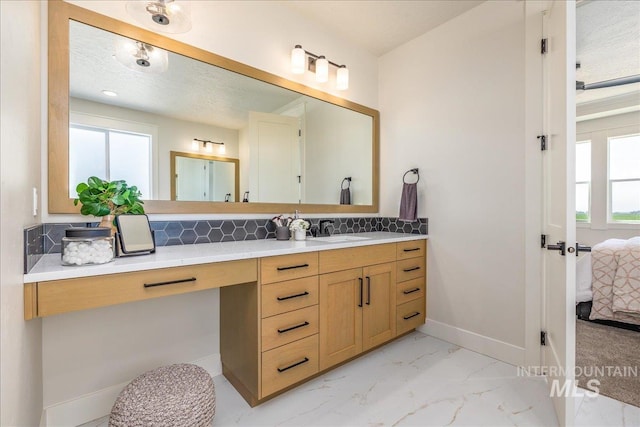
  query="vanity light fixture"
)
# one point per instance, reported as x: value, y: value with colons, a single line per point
x: 142, y: 57
x: 207, y: 145
x: 318, y: 64
x: 167, y: 16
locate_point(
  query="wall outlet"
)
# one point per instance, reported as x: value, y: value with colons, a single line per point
x: 35, y: 201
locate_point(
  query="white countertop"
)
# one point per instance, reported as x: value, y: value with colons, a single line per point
x: 50, y: 268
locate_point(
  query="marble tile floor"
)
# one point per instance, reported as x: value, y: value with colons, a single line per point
x: 417, y: 380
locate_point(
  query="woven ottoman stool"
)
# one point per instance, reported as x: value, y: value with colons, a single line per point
x: 176, y: 395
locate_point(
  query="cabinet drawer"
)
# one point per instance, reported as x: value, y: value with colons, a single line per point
x: 410, y: 269
x: 286, y: 365
x: 287, y: 267
x: 411, y: 249
x: 410, y: 290
x: 288, y: 327
x: 61, y: 296
x: 410, y: 315
x: 345, y: 259
x: 281, y: 297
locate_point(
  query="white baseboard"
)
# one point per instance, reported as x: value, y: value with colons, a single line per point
x: 491, y: 347
x: 98, y: 404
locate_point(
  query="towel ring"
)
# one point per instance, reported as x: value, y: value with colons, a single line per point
x: 414, y: 170
x: 348, y: 179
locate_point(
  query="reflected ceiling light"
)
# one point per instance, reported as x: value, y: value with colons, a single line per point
x: 207, y: 145
x: 109, y: 93
x: 167, y: 16
x: 319, y: 65
x: 143, y: 57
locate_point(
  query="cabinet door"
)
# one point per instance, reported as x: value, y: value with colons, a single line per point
x: 341, y: 301
x: 379, y: 313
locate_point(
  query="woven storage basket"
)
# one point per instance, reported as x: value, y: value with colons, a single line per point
x: 176, y: 395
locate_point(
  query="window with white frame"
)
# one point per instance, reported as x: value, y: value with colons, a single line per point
x: 111, y: 155
x: 624, y: 178
x: 583, y: 181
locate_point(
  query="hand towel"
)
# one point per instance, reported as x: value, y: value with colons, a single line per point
x: 409, y: 202
x: 345, y: 196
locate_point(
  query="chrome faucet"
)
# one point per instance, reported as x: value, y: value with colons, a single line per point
x: 324, y: 226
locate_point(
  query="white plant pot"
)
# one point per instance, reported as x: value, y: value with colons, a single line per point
x: 299, y: 234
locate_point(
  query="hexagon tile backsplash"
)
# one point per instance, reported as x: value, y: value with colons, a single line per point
x: 45, y: 238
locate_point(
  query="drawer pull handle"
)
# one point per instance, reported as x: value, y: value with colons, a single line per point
x: 292, y: 267
x: 305, y: 360
x: 360, y: 279
x: 411, y: 315
x: 292, y: 296
x: 406, y: 270
x: 410, y: 291
x: 411, y: 250
x: 170, y: 282
x: 301, y: 325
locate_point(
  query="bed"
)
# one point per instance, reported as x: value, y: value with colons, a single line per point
x: 608, y: 282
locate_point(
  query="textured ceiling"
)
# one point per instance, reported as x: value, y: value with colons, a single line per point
x: 607, y: 46
x: 188, y: 90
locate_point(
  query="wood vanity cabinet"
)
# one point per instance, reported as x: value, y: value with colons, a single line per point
x: 65, y: 295
x: 283, y: 319
x: 411, y: 285
x: 357, y: 305
x: 269, y: 333
x: 311, y: 311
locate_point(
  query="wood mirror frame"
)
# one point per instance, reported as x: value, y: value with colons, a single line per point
x: 61, y: 12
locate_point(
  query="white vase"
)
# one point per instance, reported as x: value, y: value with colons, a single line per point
x: 300, y: 234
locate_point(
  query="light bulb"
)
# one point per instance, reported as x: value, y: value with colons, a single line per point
x: 195, y: 145
x: 221, y: 149
x: 322, y: 69
x: 298, y: 57
x: 342, y: 78
x: 208, y: 147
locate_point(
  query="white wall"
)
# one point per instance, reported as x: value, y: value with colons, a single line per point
x: 173, y: 135
x: 453, y: 104
x: 20, y: 107
x: 86, y: 340
x: 597, y: 131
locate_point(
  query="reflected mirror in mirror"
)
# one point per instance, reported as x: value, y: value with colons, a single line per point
x: 196, y: 177
x: 122, y: 98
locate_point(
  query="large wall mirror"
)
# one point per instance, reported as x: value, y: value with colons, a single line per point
x: 123, y: 101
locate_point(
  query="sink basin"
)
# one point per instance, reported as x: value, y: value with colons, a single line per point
x: 340, y: 238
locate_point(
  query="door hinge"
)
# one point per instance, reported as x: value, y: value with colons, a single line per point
x: 543, y: 337
x: 543, y: 142
x: 543, y: 241
x: 543, y: 46
x: 299, y: 132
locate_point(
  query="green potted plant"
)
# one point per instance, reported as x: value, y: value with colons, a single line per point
x: 108, y: 198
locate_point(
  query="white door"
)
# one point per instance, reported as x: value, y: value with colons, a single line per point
x: 274, y: 158
x: 559, y: 205
x: 191, y: 179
